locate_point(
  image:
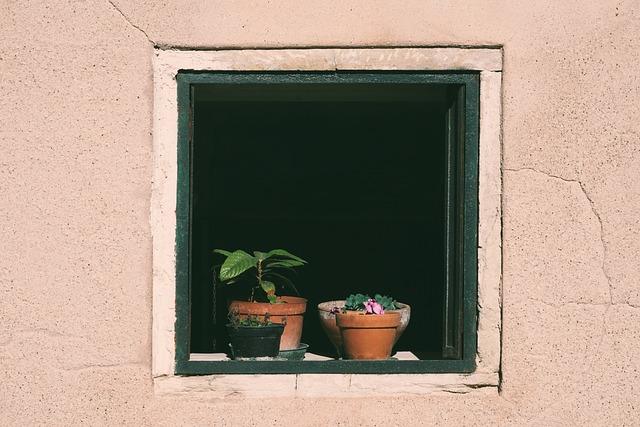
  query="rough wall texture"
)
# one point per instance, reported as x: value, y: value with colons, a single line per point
x: 75, y: 265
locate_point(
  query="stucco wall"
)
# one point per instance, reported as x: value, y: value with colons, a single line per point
x: 75, y: 180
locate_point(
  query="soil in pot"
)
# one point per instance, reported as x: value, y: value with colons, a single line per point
x: 255, y: 341
x: 368, y: 336
x: 287, y: 310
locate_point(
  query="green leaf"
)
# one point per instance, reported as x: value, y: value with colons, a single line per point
x: 355, y: 301
x: 269, y: 288
x: 388, y: 303
x: 260, y: 255
x: 283, y: 253
x: 284, y: 263
x: 236, y: 263
x: 222, y: 252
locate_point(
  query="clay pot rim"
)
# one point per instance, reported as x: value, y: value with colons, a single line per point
x: 358, y: 319
x: 340, y: 305
x: 289, y: 305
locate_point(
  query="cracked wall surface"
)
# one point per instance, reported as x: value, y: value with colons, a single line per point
x: 75, y: 147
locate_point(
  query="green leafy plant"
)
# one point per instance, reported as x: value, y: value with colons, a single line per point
x: 387, y: 302
x: 267, y: 267
x: 253, y: 320
x: 376, y: 305
x: 355, y: 302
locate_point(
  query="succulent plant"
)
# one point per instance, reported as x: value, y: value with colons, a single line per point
x: 376, y: 305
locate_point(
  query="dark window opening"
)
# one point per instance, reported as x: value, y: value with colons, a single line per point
x: 370, y: 177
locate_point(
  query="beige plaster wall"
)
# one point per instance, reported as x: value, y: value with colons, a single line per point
x: 75, y: 179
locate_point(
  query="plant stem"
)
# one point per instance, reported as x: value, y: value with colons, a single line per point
x: 259, y: 277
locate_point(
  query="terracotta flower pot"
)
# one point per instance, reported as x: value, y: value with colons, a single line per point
x: 328, y: 321
x: 368, y: 336
x: 287, y: 310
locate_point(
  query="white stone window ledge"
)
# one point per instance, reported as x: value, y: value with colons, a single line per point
x: 321, y: 385
x: 324, y: 385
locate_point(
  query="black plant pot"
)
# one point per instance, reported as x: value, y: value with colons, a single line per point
x: 255, y: 341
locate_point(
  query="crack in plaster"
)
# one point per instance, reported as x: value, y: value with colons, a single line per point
x: 592, y: 304
x: 131, y: 23
x: 466, y: 388
x: 550, y: 304
x: 48, y: 332
x: 502, y: 167
x: 101, y: 366
x: 593, y: 210
x: 456, y: 391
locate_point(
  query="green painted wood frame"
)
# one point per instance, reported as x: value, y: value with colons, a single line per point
x: 460, y: 318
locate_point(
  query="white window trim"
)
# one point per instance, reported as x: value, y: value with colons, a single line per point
x: 166, y: 65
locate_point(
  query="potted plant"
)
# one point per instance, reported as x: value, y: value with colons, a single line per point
x: 252, y: 336
x: 356, y: 303
x: 267, y: 269
x: 367, y: 331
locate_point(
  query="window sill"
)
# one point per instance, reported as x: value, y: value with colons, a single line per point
x: 321, y: 385
x: 324, y: 385
x: 403, y: 362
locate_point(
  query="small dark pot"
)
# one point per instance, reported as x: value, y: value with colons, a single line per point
x: 255, y: 341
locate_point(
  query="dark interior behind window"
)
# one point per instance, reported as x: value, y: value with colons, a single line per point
x: 349, y: 178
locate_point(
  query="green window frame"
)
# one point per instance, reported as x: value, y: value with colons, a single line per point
x: 461, y: 251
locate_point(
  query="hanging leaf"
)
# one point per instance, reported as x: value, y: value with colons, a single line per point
x: 236, y: 263
x: 222, y: 252
x: 285, y: 254
x: 284, y: 263
x: 268, y: 287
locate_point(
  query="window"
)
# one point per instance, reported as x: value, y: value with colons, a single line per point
x: 383, y: 165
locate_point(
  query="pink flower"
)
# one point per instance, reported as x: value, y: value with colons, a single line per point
x: 372, y: 307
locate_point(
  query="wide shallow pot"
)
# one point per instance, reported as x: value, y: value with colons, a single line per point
x: 255, y: 341
x: 328, y: 321
x: 286, y: 310
x: 368, y: 336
